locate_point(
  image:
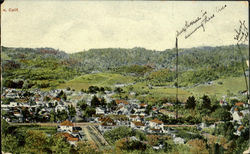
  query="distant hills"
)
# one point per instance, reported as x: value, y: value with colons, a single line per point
x: 50, y: 64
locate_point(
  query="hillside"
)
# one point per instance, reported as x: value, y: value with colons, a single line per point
x: 47, y: 67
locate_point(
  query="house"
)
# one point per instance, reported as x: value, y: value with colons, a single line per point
x: 66, y: 126
x: 138, y: 125
x: 60, y: 107
x: 13, y: 104
x: 121, y: 102
x: 71, y: 139
x: 156, y: 123
x: 237, y: 116
x: 106, y: 124
x: 122, y: 110
x: 99, y: 110
x: 178, y: 140
x: 142, y: 105
x: 238, y: 132
x: 223, y: 103
x: 167, y: 105
x: 158, y: 147
x: 136, y: 118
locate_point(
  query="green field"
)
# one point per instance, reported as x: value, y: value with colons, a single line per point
x: 98, y: 79
x: 232, y: 85
x: 46, y: 129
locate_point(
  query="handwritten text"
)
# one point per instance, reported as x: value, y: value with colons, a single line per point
x: 241, y: 33
x: 198, y: 23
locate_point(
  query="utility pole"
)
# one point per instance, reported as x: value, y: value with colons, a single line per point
x: 177, y: 102
x: 243, y: 68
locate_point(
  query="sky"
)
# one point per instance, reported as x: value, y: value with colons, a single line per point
x: 74, y: 26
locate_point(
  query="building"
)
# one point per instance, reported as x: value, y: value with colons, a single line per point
x: 66, y: 126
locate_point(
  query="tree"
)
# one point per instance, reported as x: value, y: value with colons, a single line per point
x: 206, y: 104
x: 9, y: 143
x: 95, y: 101
x: 103, y: 102
x: 87, y: 147
x: 112, y: 105
x: 118, y: 133
x: 129, y: 145
x: 53, y: 117
x: 58, y: 144
x: 36, y: 142
x: 118, y: 90
x: 4, y: 126
x: 89, y: 112
x: 72, y: 110
x: 62, y: 95
x: 82, y: 104
x: 93, y: 89
x: 191, y: 103
x: 148, y: 109
x: 198, y: 146
x: 8, y: 100
x: 62, y: 115
x: 222, y: 114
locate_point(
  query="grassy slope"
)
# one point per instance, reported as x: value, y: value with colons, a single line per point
x: 233, y: 84
x: 98, y: 79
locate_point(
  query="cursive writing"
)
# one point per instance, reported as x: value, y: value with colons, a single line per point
x: 198, y: 23
x: 221, y: 8
x: 201, y: 25
x: 242, y: 33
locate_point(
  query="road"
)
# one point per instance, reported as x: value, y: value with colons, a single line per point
x: 180, y: 125
x: 78, y: 124
x: 94, y: 136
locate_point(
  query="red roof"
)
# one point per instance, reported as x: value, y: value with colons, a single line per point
x: 55, y: 98
x: 143, y: 104
x: 72, y: 139
x: 239, y: 104
x: 154, y: 108
x: 240, y: 128
x: 121, y: 101
x: 156, y: 121
x: 137, y: 123
x: 65, y: 135
x: 67, y: 123
x: 133, y: 116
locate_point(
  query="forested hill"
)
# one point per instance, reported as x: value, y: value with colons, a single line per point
x: 44, y: 65
x: 103, y: 59
x: 99, y: 59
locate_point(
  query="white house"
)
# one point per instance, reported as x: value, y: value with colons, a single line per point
x: 66, y: 126
x: 237, y: 116
x: 156, y: 123
x: 99, y: 110
x: 178, y: 140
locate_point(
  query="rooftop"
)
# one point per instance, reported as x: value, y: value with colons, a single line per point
x: 67, y: 123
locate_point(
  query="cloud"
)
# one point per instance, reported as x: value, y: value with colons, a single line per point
x: 76, y: 25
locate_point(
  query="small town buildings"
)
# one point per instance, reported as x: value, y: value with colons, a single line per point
x: 66, y: 126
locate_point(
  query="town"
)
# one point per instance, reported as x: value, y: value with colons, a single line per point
x: 100, y: 112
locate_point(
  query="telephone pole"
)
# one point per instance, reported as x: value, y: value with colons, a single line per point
x: 177, y: 102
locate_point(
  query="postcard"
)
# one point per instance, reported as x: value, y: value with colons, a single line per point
x: 114, y: 77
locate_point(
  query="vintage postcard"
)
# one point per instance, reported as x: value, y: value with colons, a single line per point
x: 114, y: 77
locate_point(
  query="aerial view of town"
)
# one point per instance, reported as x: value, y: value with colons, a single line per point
x: 125, y: 77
